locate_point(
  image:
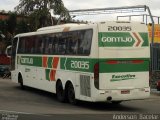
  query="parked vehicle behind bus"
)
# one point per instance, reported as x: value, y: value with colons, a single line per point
x: 4, y: 64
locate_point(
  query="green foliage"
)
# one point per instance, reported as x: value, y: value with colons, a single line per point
x: 11, y: 23
x: 3, y: 26
x: 11, y: 27
x: 38, y: 11
x: 36, y: 14
x: 22, y: 27
x: 39, y: 18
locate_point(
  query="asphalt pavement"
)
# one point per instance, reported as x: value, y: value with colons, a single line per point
x: 33, y: 104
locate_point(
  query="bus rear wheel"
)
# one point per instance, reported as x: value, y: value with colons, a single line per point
x: 60, y: 92
x: 71, y: 94
x: 20, y: 80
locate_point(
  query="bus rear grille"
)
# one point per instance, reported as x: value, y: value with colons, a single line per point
x: 85, y: 88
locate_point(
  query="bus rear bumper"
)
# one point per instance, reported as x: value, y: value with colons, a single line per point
x: 122, y: 95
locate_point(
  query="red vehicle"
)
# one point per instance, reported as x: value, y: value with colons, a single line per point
x: 4, y: 64
x: 4, y: 60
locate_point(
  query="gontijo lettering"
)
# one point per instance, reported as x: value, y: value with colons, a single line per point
x: 117, y: 39
x: 27, y: 60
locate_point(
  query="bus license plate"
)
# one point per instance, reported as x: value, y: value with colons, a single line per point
x: 125, y: 91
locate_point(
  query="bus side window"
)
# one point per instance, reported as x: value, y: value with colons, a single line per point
x: 29, y: 45
x: 75, y: 42
x: 50, y: 45
x: 26, y: 45
x: 62, y: 45
x: 71, y: 43
x: 46, y: 47
x: 41, y: 45
x: 69, y: 50
x: 68, y: 39
x: 21, y: 45
x: 37, y: 44
x: 32, y: 46
x: 85, y: 39
x: 54, y: 44
x: 80, y: 45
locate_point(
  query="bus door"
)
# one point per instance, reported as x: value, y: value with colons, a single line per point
x: 13, y: 59
x: 123, y: 56
x: 13, y: 55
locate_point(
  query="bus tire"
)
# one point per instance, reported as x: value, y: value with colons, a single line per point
x: 60, y: 92
x: 71, y: 94
x: 20, y: 81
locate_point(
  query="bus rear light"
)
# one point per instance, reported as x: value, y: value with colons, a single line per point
x: 96, y: 71
x: 125, y: 61
x: 137, y: 61
x: 112, y: 62
x: 96, y: 75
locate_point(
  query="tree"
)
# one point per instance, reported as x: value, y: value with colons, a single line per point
x: 39, y: 11
x: 10, y: 27
x: 22, y: 26
x: 3, y: 26
x: 11, y: 23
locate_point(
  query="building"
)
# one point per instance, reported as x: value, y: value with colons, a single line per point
x: 5, y: 15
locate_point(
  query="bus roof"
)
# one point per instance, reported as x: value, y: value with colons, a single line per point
x: 51, y: 28
x: 62, y: 27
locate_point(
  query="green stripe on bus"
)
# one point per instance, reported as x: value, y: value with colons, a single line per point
x: 50, y: 62
x: 123, y: 67
x: 87, y: 64
x: 47, y: 74
x: 120, y: 39
x: 145, y: 38
x: 30, y: 60
x: 78, y: 64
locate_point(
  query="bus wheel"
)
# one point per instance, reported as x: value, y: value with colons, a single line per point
x: 20, y: 80
x: 60, y: 92
x: 71, y: 94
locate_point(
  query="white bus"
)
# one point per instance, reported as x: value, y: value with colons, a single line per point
x: 97, y: 62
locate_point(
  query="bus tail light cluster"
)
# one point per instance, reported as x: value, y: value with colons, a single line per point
x: 125, y: 62
x: 96, y: 75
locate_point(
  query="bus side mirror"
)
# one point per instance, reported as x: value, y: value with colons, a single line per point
x: 9, y: 51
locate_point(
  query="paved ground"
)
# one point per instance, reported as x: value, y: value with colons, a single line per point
x: 36, y: 104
